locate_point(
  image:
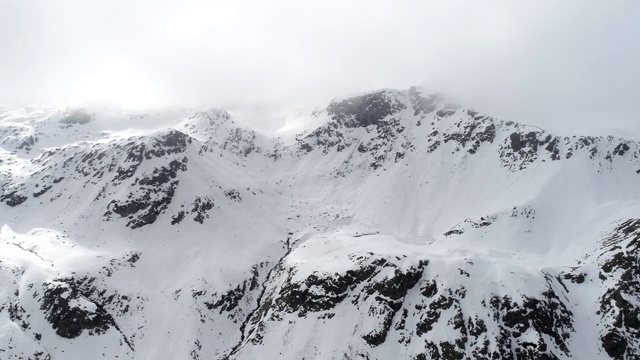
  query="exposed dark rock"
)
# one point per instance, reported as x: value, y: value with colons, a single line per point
x: 450, y: 351
x: 621, y: 149
x: 163, y: 175
x: 467, y: 134
x: 128, y: 260
x: 430, y: 317
x: 477, y: 327
x: 176, y: 219
x: 200, y: 208
x: 390, y: 294
x: 520, y: 141
x: 327, y: 138
x: 614, y: 344
x: 306, y: 147
x: 155, y: 193
x: 552, y: 148
x: 429, y: 289
x: 133, y: 257
x: 135, y: 156
x: 621, y: 316
x: 76, y: 116
x: 443, y: 113
x: 548, y: 316
x: 320, y: 293
x: 241, y: 142
x: 18, y: 314
x: 575, y: 278
x: 74, y: 306
x: 70, y: 313
x: 231, y: 302
x: 420, y: 103
x: 145, y: 207
x: 13, y: 198
x: 364, y: 110
x: 521, y: 149
x: 374, y: 112
x: 28, y: 143
x: 174, y: 142
x: 474, y: 133
x: 42, y: 191
x: 233, y: 195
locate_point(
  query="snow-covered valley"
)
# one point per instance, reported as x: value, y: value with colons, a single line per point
x: 391, y: 225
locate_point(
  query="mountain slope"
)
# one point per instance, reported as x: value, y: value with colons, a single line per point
x: 401, y: 226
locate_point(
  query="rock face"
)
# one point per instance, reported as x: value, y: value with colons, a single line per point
x: 620, y: 312
x: 76, y: 116
x: 397, y: 226
x: 70, y: 313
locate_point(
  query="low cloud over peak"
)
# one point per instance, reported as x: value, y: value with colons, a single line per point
x: 557, y: 65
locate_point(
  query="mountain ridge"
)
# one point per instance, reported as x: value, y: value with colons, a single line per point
x: 401, y: 226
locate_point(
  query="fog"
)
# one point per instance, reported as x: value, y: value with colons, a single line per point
x: 569, y: 66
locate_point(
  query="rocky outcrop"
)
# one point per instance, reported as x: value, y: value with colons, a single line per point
x: 619, y: 308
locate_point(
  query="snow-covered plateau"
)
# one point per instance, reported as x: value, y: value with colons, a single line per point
x: 390, y: 225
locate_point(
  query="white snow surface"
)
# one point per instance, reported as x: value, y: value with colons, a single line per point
x: 480, y: 221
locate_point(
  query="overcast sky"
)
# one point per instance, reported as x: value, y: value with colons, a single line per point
x: 558, y: 64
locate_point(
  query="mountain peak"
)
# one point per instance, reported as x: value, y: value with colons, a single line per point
x: 396, y: 225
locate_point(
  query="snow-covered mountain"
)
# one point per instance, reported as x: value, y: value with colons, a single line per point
x: 392, y: 225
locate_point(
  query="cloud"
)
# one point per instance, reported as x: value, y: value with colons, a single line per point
x: 115, y: 81
x: 559, y: 65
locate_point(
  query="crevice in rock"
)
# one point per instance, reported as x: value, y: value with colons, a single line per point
x: 243, y: 326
